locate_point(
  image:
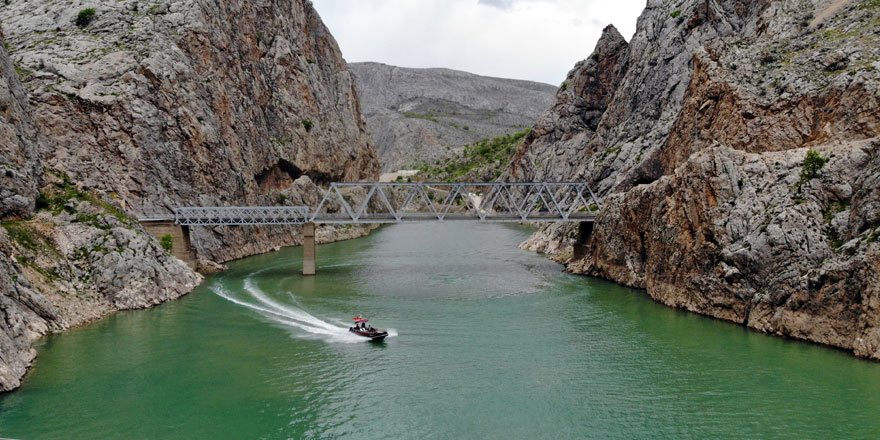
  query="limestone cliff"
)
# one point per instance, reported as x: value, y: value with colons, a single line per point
x: 700, y: 149
x: 422, y: 115
x: 19, y: 165
x: 193, y: 102
x: 114, y: 110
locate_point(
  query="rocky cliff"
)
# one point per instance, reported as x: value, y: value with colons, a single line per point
x: 19, y: 164
x: 700, y: 145
x: 422, y: 115
x: 114, y: 110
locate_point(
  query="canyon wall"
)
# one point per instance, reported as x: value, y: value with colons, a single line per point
x: 699, y: 146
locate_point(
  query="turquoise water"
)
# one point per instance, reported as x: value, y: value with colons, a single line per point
x: 488, y: 342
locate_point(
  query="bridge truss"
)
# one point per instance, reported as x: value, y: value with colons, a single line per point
x: 381, y: 202
x: 252, y: 215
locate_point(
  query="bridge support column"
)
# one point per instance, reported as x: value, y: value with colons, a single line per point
x: 308, y: 245
x: 585, y: 230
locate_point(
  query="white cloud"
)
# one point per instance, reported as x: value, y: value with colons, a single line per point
x: 539, y: 40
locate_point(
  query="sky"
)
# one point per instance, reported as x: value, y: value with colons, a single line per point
x: 538, y: 40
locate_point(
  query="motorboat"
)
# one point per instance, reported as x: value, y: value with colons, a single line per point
x: 363, y: 329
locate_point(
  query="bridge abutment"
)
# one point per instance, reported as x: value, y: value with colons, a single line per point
x: 181, y: 246
x: 308, y: 246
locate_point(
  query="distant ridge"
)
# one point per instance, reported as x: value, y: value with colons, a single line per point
x: 418, y: 115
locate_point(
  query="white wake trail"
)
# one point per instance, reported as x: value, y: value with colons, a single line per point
x: 304, y: 324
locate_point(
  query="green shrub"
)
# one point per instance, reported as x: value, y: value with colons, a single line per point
x: 281, y: 199
x: 85, y: 17
x: 812, y: 164
x: 308, y: 124
x: 676, y: 13
x: 167, y: 242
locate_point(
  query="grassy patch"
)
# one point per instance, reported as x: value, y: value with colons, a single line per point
x: 425, y: 116
x: 676, y: 13
x: 494, y: 153
x: 57, y: 198
x: 21, y: 234
x: 28, y: 239
x: 49, y: 274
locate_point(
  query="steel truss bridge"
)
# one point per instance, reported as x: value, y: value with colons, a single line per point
x: 381, y: 202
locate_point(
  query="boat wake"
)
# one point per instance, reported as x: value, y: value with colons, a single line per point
x: 303, y: 324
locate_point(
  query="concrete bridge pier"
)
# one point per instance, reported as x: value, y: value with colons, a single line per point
x: 308, y: 245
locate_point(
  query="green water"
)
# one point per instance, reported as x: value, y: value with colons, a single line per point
x: 489, y: 342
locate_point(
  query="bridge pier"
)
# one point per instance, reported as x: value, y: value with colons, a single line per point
x: 308, y: 245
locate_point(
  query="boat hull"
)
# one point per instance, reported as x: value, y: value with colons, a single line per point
x: 372, y: 336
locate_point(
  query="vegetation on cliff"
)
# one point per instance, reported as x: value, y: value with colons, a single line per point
x: 481, y: 161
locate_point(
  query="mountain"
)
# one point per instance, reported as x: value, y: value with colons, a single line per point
x: 736, y: 147
x: 422, y: 115
x: 111, y: 111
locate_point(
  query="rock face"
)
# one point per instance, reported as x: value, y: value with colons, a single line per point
x: 573, y: 119
x: 19, y: 165
x: 191, y: 102
x: 421, y: 115
x: 143, y: 107
x: 700, y: 151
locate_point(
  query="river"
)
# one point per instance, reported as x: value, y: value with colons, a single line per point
x: 487, y: 341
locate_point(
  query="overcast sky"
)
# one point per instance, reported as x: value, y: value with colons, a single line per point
x: 538, y: 40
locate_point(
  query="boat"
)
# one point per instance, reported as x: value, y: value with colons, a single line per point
x: 361, y: 328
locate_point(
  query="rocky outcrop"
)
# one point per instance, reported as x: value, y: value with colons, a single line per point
x: 191, y: 102
x: 423, y: 115
x: 562, y: 131
x: 730, y: 235
x: 59, y: 271
x: 701, y: 154
x: 19, y: 165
